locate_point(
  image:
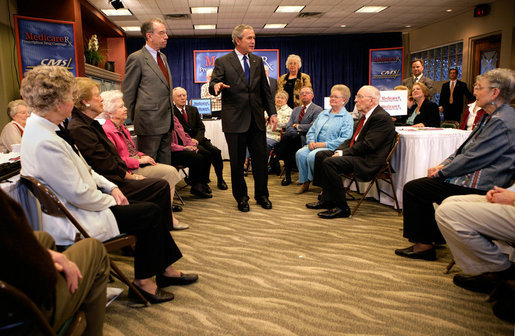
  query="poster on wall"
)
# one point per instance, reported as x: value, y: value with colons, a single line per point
x: 385, y: 67
x: 45, y: 42
x: 205, y: 60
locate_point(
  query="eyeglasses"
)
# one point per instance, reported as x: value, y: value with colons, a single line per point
x: 305, y: 93
x: 361, y: 97
x: 335, y: 97
x: 478, y: 87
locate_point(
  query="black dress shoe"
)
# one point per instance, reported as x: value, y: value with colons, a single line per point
x: 200, y: 193
x: 429, y: 255
x: 184, y: 279
x: 264, y: 202
x: 335, y: 213
x: 222, y: 185
x: 286, y: 181
x: 176, y: 208
x: 158, y: 297
x: 481, y: 283
x: 207, y: 188
x: 320, y: 205
x: 243, y: 206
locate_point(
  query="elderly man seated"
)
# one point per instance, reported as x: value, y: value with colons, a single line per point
x: 58, y: 283
x: 363, y: 154
x: 301, y: 119
x: 189, y: 118
x: 469, y: 224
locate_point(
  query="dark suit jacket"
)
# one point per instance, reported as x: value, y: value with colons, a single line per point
x: 146, y: 94
x: 429, y: 114
x: 273, y: 86
x: 242, y: 102
x: 372, y: 145
x: 194, y: 127
x: 460, y: 90
x: 309, y: 117
x: 96, y: 148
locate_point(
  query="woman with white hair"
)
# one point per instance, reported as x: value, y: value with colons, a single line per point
x: 115, y: 114
x: 293, y: 81
x: 18, y: 111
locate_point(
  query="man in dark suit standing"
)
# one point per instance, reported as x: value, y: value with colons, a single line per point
x: 363, y: 154
x: 301, y: 119
x: 246, y: 95
x: 451, y: 97
x: 189, y: 118
x: 417, y: 71
x: 147, y: 93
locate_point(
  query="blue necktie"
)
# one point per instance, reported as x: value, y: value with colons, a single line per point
x: 247, y: 68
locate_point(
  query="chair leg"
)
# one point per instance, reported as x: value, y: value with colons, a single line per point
x: 394, y: 194
x: 179, y: 197
x: 363, y: 197
x: 449, y: 267
x: 124, y: 279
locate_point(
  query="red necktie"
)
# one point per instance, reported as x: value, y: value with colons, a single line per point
x: 302, y: 112
x: 184, y: 114
x: 360, y: 125
x: 161, y: 65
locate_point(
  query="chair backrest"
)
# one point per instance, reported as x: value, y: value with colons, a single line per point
x: 394, y: 147
x: 19, y: 313
x: 50, y: 204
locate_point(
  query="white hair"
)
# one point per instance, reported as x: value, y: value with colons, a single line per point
x: 110, y: 98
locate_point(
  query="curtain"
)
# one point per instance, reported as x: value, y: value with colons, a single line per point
x: 328, y: 60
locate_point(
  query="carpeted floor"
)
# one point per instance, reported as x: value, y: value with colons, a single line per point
x: 286, y: 272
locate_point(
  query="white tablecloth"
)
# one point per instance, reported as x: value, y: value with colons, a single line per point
x: 217, y: 137
x: 418, y: 150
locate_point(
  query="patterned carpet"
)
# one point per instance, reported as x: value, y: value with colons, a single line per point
x: 286, y: 272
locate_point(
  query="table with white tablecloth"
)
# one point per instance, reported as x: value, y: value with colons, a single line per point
x: 216, y: 135
x: 419, y: 149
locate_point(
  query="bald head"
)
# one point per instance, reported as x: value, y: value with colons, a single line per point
x: 366, y: 98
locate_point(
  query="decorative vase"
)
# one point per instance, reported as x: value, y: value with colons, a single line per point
x: 109, y: 66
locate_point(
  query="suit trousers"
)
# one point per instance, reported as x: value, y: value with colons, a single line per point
x: 469, y: 224
x: 317, y: 172
x: 156, y: 146
x: 289, y: 145
x: 215, y: 156
x: 91, y: 258
x: 155, y: 247
x: 198, y: 162
x: 237, y: 143
x: 419, y: 214
x: 332, y: 184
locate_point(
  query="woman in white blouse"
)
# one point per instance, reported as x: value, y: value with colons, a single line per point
x: 11, y: 134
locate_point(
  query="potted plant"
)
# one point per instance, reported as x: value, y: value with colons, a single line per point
x: 93, y: 56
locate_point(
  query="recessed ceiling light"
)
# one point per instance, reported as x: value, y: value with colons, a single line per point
x: 132, y: 28
x: 448, y: 10
x: 117, y: 12
x: 371, y: 9
x: 343, y: 26
x: 204, y: 10
x: 289, y: 9
x: 274, y: 25
x: 206, y: 26
x: 408, y: 26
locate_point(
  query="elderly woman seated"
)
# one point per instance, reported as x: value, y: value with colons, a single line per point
x: 11, y: 134
x: 185, y: 152
x: 330, y: 129
x: 101, y: 154
x: 283, y: 116
x: 486, y: 159
x: 49, y: 155
x: 115, y: 114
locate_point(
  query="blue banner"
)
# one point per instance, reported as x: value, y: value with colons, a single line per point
x: 386, y: 68
x: 205, y: 60
x: 45, y: 42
